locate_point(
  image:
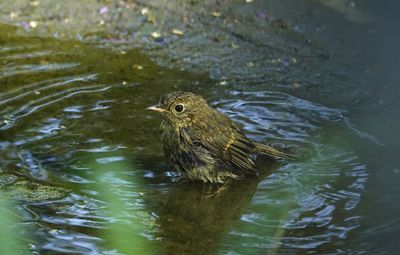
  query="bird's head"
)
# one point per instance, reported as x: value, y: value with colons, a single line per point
x: 181, y: 107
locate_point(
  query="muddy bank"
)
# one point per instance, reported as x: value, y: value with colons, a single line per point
x: 293, y: 46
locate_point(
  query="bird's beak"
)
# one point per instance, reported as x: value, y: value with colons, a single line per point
x: 156, y: 107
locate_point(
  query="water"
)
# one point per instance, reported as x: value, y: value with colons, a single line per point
x: 73, y: 116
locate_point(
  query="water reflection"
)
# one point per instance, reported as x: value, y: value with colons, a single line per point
x: 194, y: 217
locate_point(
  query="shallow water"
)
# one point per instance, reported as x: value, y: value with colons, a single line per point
x: 69, y: 109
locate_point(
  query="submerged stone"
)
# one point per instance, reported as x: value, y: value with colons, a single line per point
x: 24, y: 190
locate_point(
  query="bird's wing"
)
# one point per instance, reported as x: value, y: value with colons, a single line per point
x: 220, y: 136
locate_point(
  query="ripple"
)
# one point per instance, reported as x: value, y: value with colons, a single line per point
x: 18, y: 70
x: 67, y: 241
x: 276, y: 115
x: 12, y: 95
x: 35, y: 54
x: 297, y: 206
x: 49, y: 100
x: 33, y: 165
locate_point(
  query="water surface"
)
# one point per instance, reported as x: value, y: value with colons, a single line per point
x: 69, y: 109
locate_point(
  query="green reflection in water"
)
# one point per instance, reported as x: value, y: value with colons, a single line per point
x: 10, y: 241
x: 126, y: 229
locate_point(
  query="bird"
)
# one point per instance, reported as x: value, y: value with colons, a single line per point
x: 205, y: 145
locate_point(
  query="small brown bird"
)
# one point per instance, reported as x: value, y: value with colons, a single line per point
x: 203, y: 144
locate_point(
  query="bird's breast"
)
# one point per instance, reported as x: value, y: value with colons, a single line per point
x: 179, y: 147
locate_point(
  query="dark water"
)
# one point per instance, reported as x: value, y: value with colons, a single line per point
x: 69, y: 109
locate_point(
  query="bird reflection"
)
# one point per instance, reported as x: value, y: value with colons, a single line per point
x: 196, y: 216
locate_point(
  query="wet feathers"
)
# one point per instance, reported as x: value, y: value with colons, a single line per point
x: 203, y: 144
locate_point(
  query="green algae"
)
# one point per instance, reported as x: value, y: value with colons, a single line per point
x: 24, y: 190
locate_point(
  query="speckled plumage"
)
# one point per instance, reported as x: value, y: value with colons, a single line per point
x: 202, y: 143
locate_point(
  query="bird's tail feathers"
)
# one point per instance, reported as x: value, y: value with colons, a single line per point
x: 272, y: 152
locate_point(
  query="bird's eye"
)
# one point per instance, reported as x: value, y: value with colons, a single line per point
x: 179, y: 108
